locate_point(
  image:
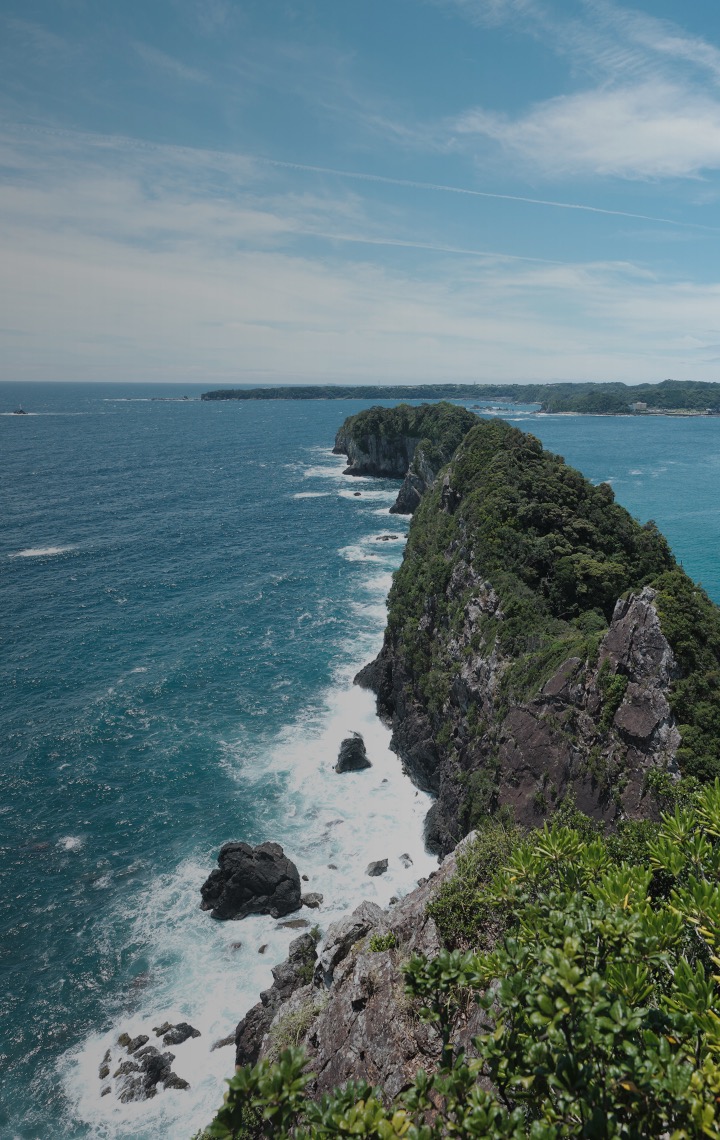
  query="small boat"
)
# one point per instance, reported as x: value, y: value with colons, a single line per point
x: 20, y: 412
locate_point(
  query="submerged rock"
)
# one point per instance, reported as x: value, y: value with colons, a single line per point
x: 352, y: 756
x: 312, y: 900
x: 251, y: 880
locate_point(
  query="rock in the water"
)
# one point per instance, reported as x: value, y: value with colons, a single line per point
x: 176, y: 1082
x: 103, y: 1072
x: 176, y: 1034
x: 161, y: 1030
x: 379, y: 867
x: 406, y: 860
x: 352, y: 756
x: 223, y: 1041
x: 313, y: 900
x: 137, y: 1042
x: 252, y: 880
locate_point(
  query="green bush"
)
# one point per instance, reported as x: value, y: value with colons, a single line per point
x: 601, y: 1003
x: 380, y: 942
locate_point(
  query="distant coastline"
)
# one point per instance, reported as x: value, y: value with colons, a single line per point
x: 671, y: 397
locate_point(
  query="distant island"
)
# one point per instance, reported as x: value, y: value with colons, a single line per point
x: 677, y: 397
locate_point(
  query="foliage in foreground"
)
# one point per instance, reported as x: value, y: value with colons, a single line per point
x: 601, y: 1006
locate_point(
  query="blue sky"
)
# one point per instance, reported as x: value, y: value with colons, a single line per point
x: 272, y: 191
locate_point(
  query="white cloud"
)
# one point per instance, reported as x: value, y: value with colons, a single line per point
x: 125, y: 261
x: 652, y: 130
x: 648, y: 106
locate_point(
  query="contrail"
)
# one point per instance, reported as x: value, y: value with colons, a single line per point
x: 440, y: 187
x: 433, y: 247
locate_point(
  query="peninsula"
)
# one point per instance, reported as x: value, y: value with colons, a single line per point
x: 669, y: 397
x: 552, y: 675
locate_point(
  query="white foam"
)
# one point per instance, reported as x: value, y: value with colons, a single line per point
x: 41, y: 551
x: 326, y: 471
x: 382, y: 496
x: 196, y: 974
x: 71, y: 842
x: 311, y: 495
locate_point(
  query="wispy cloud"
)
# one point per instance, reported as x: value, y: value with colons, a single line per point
x: 116, y: 263
x: 649, y: 112
x: 651, y: 130
x: 440, y: 187
x: 161, y: 61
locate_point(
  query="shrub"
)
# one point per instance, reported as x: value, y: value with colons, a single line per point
x: 601, y: 1001
x: 380, y: 942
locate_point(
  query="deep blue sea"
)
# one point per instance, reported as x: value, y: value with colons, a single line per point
x: 186, y: 591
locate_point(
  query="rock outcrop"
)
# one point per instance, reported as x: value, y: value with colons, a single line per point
x: 251, y: 880
x: 530, y: 756
x: 354, y: 1020
x: 352, y: 756
x: 408, y: 443
x: 290, y: 976
x: 486, y: 711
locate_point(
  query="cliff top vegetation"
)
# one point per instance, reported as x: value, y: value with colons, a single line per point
x: 441, y: 427
x: 559, y: 552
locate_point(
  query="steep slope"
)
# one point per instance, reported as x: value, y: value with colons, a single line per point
x: 403, y: 443
x: 540, y: 644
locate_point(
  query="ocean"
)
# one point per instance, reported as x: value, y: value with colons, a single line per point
x: 187, y: 590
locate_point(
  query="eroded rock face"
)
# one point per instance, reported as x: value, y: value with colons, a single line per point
x: 365, y: 1027
x: 251, y: 880
x: 562, y: 741
x: 352, y: 756
x: 292, y: 974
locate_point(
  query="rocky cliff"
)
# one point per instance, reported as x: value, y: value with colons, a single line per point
x: 351, y: 1013
x: 537, y: 646
x: 409, y: 443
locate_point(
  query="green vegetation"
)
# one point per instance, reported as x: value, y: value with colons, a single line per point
x: 380, y: 942
x: 670, y: 395
x: 559, y: 552
x: 599, y: 990
x: 289, y: 1030
x: 440, y: 427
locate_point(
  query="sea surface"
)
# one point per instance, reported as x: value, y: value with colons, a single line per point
x: 187, y: 590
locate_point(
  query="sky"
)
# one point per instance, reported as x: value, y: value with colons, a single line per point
x: 348, y: 191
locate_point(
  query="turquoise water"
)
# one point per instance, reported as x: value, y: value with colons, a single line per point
x: 187, y: 589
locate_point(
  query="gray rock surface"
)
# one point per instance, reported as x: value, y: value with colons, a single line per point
x: 365, y: 1027
x: 378, y: 867
x: 352, y: 756
x: 251, y: 880
x: 296, y: 971
x: 312, y: 899
x: 553, y: 744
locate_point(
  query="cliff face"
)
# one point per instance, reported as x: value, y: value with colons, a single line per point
x: 353, y: 1018
x: 533, y: 646
x: 483, y: 752
x: 409, y: 443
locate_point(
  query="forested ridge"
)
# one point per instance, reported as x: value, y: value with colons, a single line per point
x: 589, y: 398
